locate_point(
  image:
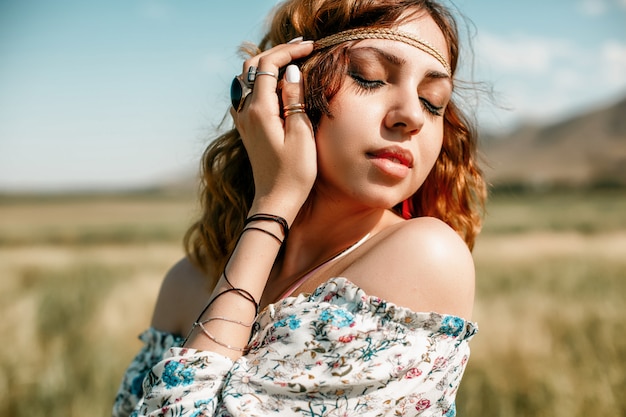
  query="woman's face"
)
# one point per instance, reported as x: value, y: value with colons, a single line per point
x: 387, y: 126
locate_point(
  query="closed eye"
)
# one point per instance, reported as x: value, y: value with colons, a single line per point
x: 370, y: 85
x: 365, y: 83
x: 431, y: 108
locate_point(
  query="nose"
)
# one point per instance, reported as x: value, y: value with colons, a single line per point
x: 405, y: 113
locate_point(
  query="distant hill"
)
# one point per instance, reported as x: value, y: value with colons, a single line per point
x: 586, y: 150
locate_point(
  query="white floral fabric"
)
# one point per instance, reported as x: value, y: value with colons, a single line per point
x: 155, y: 344
x: 336, y: 352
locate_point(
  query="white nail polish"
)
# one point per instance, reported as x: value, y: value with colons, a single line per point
x: 296, y: 40
x: 292, y: 74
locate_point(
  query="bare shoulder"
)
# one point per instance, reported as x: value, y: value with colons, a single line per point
x: 184, y: 292
x: 422, y: 264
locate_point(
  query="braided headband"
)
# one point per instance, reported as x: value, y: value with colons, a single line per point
x: 395, y: 35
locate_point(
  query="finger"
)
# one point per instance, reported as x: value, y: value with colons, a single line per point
x: 292, y: 90
x: 272, y: 62
x: 269, y: 63
x: 254, y: 60
x: 293, y: 99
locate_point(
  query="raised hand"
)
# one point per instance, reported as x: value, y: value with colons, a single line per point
x: 277, y: 133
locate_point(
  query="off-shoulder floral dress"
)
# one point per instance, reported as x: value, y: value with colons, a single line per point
x: 155, y: 344
x: 336, y: 352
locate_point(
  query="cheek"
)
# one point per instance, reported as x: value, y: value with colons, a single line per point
x: 340, y: 151
x: 429, y: 151
x: 434, y: 148
x: 338, y: 137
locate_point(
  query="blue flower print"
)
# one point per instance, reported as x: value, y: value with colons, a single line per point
x: 452, y: 326
x: 292, y: 321
x: 201, y: 406
x: 451, y: 411
x: 338, y: 318
x: 176, y: 374
x: 136, y: 387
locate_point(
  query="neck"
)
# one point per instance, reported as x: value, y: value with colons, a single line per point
x: 324, y: 228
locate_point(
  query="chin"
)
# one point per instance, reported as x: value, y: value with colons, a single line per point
x: 384, y: 203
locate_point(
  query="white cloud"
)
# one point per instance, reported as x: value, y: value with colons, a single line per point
x: 613, y: 56
x: 568, y: 78
x: 521, y: 53
x: 547, y: 78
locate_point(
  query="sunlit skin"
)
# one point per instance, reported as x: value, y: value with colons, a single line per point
x: 387, y: 125
x: 339, y: 184
x: 377, y: 149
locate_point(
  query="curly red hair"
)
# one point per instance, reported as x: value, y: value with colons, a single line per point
x: 454, y: 191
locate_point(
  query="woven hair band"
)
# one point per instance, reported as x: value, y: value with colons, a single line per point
x: 391, y: 34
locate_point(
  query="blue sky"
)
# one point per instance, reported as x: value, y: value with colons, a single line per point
x: 125, y: 93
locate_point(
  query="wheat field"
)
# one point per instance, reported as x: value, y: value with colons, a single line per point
x: 80, y: 275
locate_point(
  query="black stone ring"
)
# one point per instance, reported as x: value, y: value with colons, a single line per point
x: 239, y: 90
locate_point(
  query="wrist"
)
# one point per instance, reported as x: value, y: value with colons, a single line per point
x: 284, y: 208
x: 266, y: 217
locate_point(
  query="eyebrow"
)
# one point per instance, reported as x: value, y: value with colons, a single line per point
x: 438, y: 75
x: 391, y: 58
x: 397, y: 61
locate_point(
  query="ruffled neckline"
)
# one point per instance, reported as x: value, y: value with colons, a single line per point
x: 340, y: 291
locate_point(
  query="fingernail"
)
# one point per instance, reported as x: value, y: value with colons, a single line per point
x: 292, y: 74
x: 295, y: 40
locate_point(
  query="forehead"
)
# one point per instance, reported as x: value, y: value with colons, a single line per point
x: 424, y: 27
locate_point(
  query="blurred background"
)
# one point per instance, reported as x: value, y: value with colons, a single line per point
x: 105, y: 109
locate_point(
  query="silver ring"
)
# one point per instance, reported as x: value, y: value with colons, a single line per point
x: 252, y: 73
x: 266, y: 73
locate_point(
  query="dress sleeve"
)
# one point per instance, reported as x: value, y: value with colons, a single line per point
x: 185, y: 381
x: 155, y: 344
x: 341, y: 352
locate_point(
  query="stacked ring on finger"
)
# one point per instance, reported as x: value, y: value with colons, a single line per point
x: 290, y: 109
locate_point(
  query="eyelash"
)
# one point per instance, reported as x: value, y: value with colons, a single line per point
x: 366, y: 84
x: 370, y: 85
x: 431, y: 108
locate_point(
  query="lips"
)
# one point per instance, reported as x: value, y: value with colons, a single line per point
x: 395, y: 155
x: 392, y: 162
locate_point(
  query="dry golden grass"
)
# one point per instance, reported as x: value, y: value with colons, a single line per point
x: 551, y: 309
x: 73, y: 316
x: 80, y: 277
x: 95, y: 220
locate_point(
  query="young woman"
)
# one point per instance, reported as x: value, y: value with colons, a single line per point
x: 334, y: 245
